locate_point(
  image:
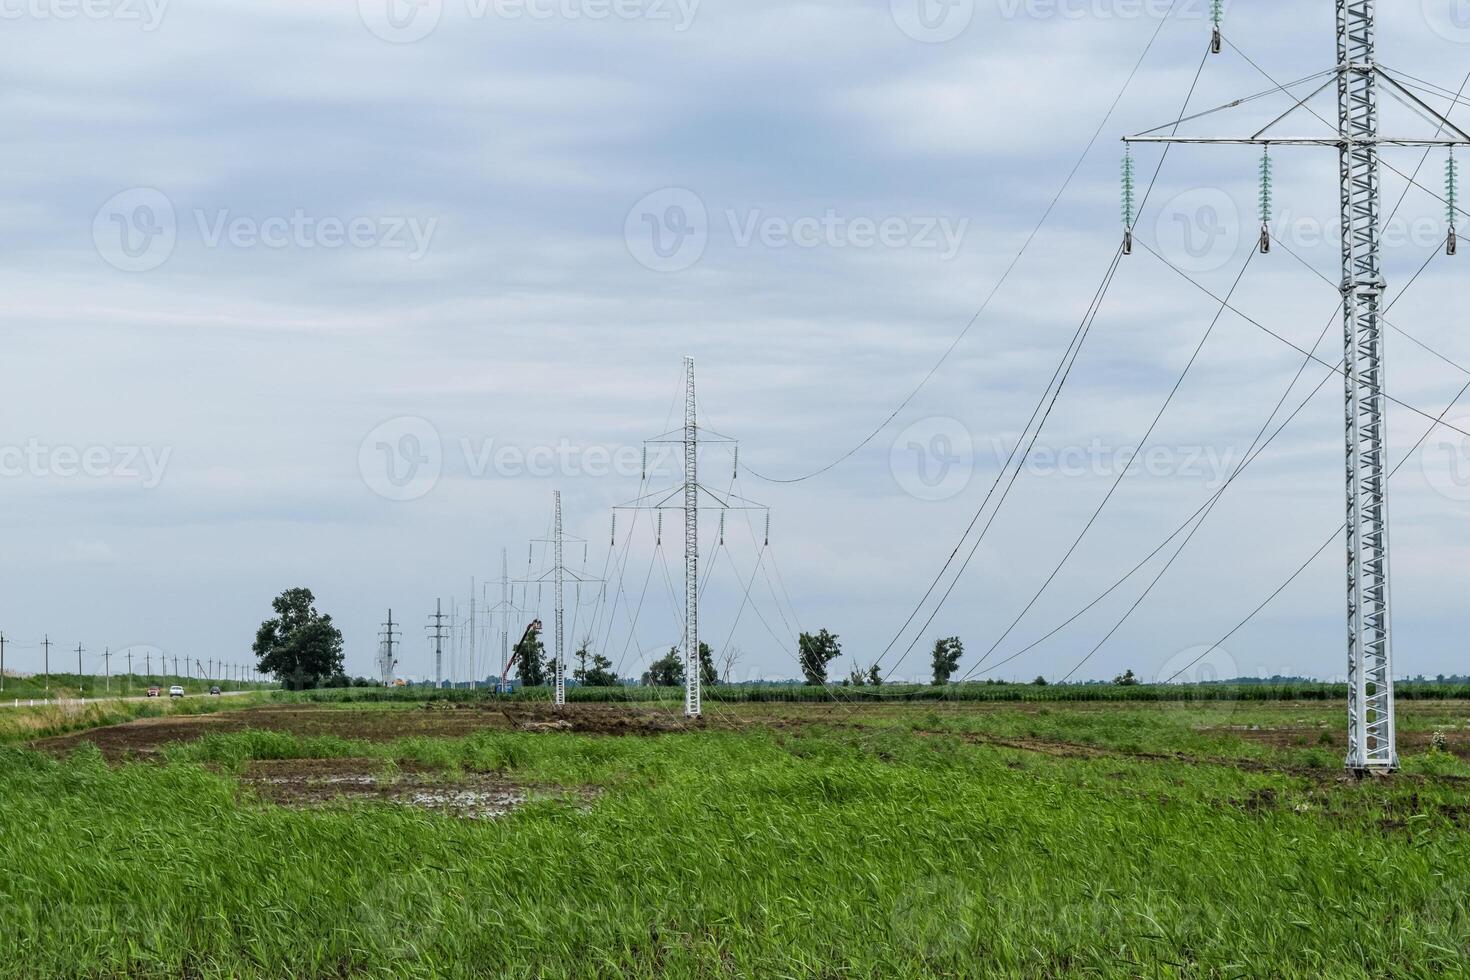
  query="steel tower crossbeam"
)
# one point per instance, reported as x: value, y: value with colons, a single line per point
x: 1372, y: 741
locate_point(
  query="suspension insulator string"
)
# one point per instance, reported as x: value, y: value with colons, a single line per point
x: 1452, y: 198
x: 1217, y: 13
x: 1265, y: 200
x: 615, y: 529
x: 722, y: 527
x: 1128, y: 198
x: 736, y: 475
x: 768, y: 528
x: 658, y: 538
x: 644, y: 474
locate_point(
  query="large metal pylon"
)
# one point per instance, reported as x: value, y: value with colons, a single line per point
x: 693, y: 707
x: 558, y: 573
x: 1372, y: 743
x: 686, y: 496
x: 1371, y: 737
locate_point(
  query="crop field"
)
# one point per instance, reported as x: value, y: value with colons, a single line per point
x: 477, y: 837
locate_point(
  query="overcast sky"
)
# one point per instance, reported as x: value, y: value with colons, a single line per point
x: 336, y: 293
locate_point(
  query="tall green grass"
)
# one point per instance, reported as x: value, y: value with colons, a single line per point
x: 825, y: 852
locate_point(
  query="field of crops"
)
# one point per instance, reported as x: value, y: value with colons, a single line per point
x: 478, y: 838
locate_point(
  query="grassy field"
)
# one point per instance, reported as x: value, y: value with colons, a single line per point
x: 306, y: 839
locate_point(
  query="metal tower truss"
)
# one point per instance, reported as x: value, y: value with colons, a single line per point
x: 507, y: 611
x: 690, y: 496
x: 1371, y: 735
x: 558, y: 573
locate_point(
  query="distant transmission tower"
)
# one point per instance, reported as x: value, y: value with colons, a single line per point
x: 388, y: 639
x: 1372, y: 740
x: 438, y: 636
x: 690, y: 494
x: 559, y: 573
x: 506, y: 610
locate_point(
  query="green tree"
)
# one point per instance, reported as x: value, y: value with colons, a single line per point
x: 874, y: 677
x: 300, y: 646
x: 1126, y: 679
x: 947, y: 654
x: 1040, y: 681
x: 857, y: 677
x: 815, y: 653
x: 593, y: 669
x: 530, y: 655
x: 708, y: 676
x: 667, y: 671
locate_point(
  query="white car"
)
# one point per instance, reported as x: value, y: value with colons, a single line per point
x: 176, y: 691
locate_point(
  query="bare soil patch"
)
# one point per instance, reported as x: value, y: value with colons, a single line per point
x: 145, y: 737
x: 321, y: 782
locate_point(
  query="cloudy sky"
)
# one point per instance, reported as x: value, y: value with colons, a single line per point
x: 337, y: 293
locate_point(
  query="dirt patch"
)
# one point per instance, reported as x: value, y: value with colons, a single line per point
x: 144, y: 738
x: 321, y: 782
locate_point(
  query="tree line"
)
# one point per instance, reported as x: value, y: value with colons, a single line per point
x: 302, y: 648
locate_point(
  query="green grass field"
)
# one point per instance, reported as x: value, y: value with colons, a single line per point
x: 1211, y: 839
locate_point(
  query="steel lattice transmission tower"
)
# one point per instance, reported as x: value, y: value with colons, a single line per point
x: 1371, y: 734
x: 559, y: 573
x: 693, y: 696
x: 690, y: 495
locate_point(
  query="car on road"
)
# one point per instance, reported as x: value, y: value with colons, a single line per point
x: 155, y: 692
x: 216, y: 691
x: 176, y: 691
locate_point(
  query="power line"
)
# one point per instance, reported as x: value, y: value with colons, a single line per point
x: 1005, y: 274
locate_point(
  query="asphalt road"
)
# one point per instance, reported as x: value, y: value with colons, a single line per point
x: 9, y: 702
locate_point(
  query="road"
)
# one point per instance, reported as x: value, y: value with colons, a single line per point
x: 9, y: 702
